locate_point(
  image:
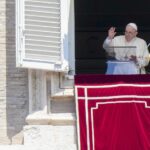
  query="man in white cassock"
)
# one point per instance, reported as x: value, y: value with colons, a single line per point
x: 131, y: 53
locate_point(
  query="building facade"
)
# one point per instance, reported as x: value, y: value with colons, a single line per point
x: 36, y: 88
x: 37, y: 64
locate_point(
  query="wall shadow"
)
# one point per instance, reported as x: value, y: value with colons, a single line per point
x: 16, y: 82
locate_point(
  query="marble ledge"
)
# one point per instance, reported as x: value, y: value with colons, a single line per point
x: 35, y: 147
x: 61, y: 93
x: 41, y: 118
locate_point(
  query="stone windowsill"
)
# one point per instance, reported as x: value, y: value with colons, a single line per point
x: 41, y: 118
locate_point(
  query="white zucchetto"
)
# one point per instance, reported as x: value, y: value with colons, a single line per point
x: 133, y: 25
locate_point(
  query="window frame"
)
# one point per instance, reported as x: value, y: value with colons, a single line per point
x: 67, y: 40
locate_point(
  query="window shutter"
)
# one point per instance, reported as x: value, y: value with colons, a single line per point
x: 42, y: 34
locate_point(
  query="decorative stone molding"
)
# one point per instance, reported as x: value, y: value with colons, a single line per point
x: 37, y: 91
x: 40, y: 118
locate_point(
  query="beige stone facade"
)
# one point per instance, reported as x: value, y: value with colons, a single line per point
x: 36, y: 107
x: 13, y: 81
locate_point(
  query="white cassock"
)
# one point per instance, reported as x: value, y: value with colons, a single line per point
x: 122, y: 51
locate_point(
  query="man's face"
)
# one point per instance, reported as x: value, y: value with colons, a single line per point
x: 130, y: 33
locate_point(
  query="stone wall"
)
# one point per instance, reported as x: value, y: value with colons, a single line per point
x: 13, y: 81
x: 33, y: 147
x: 51, y: 120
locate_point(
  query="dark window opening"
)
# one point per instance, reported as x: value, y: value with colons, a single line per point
x: 92, y: 20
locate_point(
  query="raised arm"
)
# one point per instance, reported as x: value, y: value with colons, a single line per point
x: 108, y: 40
x: 111, y: 33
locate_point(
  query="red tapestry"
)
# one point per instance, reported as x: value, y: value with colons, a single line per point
x: 113, y: 112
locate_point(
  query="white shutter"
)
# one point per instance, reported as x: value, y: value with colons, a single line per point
x: 42, y: 34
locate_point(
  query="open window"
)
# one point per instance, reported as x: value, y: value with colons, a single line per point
x: 94, y: 18
x: 44, y: 35
x: 45, y: 32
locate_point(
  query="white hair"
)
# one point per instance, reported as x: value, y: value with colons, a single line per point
x: 133, y: 25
